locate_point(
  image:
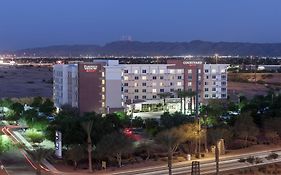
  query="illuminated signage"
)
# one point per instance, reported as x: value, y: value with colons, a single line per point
x: 90, y: 68
x: 58, y: 144
x: 192, y: 62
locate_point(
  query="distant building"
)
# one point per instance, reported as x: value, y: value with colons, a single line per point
x: 106, y: 86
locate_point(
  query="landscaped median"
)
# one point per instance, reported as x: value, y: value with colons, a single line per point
x: 34, y: 156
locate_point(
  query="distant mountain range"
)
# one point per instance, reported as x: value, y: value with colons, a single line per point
x: 135, y: 48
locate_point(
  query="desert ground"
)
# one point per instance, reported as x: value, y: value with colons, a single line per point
x: 25, y: 81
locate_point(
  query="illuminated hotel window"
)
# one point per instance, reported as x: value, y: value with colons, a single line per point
x: 161, y: 71
x: 126, y: 78
x: 214, y: 70
x: 102, y: 97
x: 154, y: 90
x: 179, y: 71
x: 199, y: 71
x: 161, y: 83
x: 172, y: 71
x: 102, y: 81
x: 189, y: 71
x: 143, y: 77
x: 103, y: 104
x: 189, y: 84
x: 153, y: 71
x: 136, y: 84
x: 223, y: 71
x: 102, y: 74
x: 136, y: 71
x: 103, y: 89
x: 153, y: 84
x: 179, y: 83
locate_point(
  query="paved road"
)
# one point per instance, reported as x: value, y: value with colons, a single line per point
x: 207, y: 167
x: 16, y: 164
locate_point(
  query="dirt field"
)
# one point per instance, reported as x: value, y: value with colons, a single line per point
x: 25, y: 81
x: 249, y: 84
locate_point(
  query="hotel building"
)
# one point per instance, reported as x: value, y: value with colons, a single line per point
x: 107, y: 86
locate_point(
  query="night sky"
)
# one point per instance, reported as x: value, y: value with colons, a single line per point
x: 36, y: 23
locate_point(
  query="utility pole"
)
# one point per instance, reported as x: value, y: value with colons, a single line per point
x: 197, y: 112
x: 217, y: 158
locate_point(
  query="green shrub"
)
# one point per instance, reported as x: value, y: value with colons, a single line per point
x: 34, y: 136
x: 272, y: 156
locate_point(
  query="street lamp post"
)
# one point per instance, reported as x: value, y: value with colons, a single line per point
x: 197, y: 112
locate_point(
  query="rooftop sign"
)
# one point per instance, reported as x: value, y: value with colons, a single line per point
x: 90, y: 68
x: 192, y: 62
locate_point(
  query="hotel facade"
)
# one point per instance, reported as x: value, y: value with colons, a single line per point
x: 107, y: 86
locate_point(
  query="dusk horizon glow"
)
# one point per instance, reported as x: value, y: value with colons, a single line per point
x: 37, y: 24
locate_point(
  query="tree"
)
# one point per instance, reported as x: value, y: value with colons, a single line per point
x: 180, y: 95
x: 5, y: 143
x: 171, y: 139
x: 15, y: 111
x: 272, y: 126
x: 245, y: 127
x: 146, y: 148
x: 38, y: 155
x: 87, y: 126
x: 75, y: 153
x: 164, y: 96
x: 168, y: 120
x: 151, y: 126
x: 47, y: 107
x: 37, y: 102
x: 17, y: 108
x: 66, y: 122
x: 137, y: 122
x: 115, y: 145
x: 190, y: 94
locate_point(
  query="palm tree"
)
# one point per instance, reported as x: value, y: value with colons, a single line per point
x: 180, y: 95
x: 38, y: 155
x: 164, y: 96
x: 184, y: 95
x: 191, y: 94
x: 87, y: 126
